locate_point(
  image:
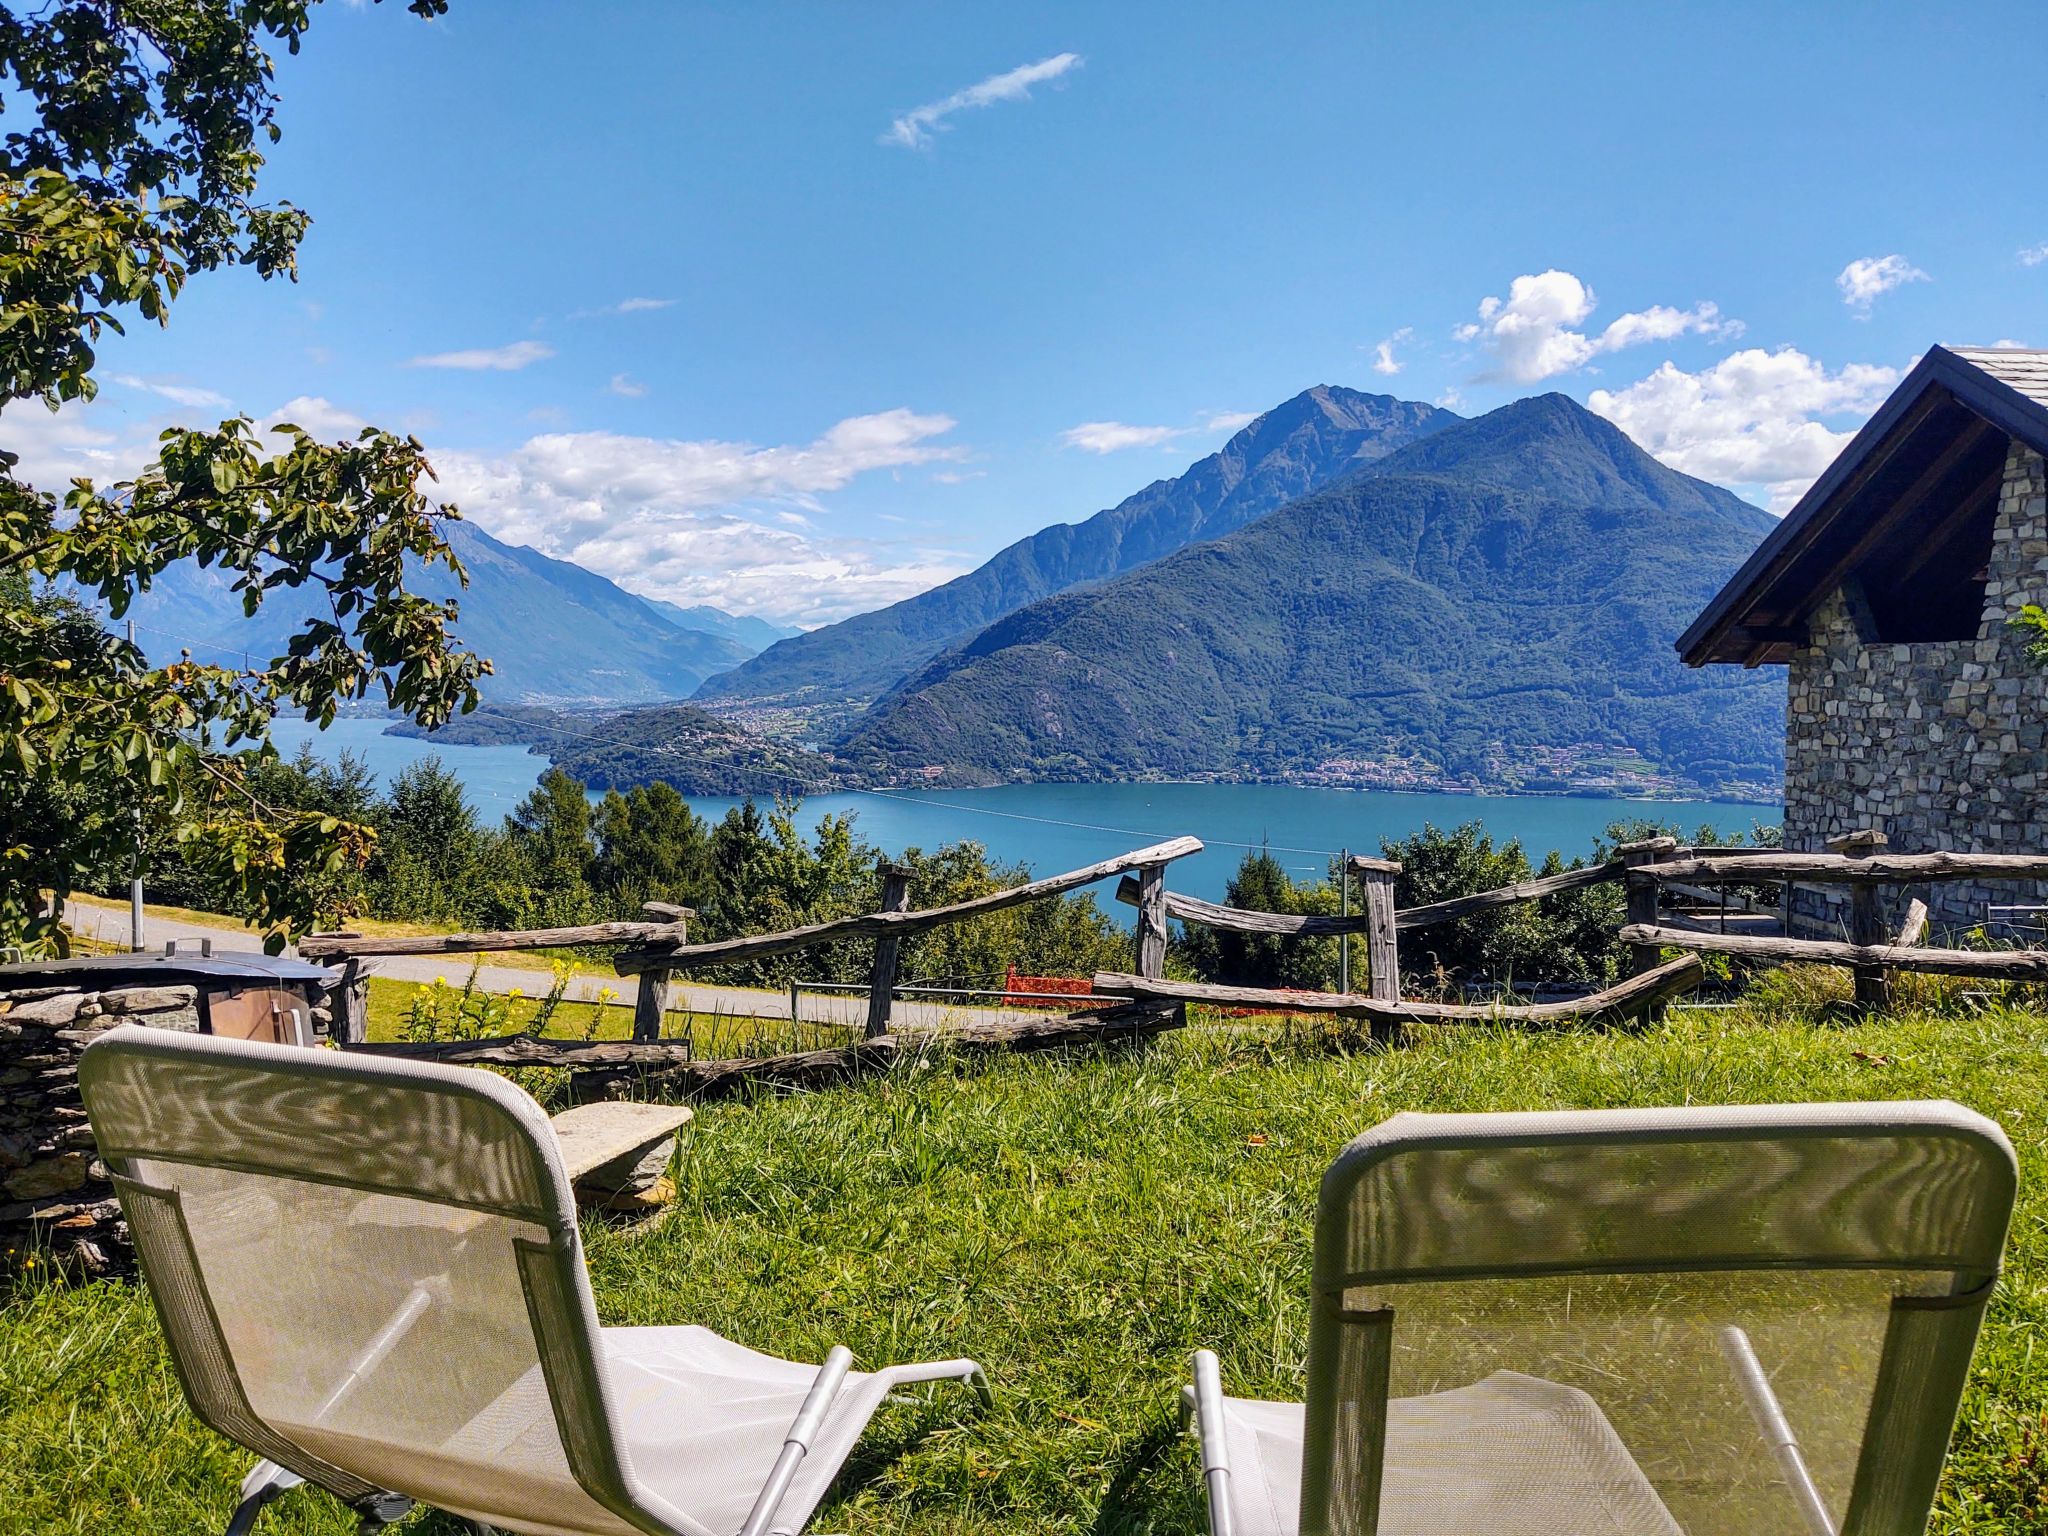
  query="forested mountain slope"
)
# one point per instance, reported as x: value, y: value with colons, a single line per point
x: 1309, y: 441
x: 1493, y: 605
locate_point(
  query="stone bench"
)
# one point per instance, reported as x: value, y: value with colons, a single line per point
x: 617, y: 1153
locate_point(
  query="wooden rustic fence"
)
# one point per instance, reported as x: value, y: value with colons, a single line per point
x: 1654, y: 873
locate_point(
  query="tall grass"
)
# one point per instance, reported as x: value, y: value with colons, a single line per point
x: 1079, y: 1223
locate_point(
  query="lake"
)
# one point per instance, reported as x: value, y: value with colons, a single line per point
x: 1053, y: 827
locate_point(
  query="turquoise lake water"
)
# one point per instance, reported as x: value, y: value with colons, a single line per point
x: 1060, y: 826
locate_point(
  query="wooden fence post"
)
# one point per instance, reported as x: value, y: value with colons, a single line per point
x: 1382, y: 954
x: 348, y: 1014
x: 650, y: 1002
x: 1152, y: 921
x: 1344, y: 910
x: 882, y: 985
x: 1642, y: 895
x: 1866, y: 920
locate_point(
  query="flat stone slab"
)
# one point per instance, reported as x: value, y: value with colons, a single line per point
x: 606, y: 1146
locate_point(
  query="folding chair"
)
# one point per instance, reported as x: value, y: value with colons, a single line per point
x: 1664, y: 1322
x: 369, y: 1275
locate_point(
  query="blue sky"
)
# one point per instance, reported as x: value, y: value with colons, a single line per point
x: 698, y: 296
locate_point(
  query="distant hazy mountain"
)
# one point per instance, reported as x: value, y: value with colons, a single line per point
x: 1494, y: 604
x: 554, y: 631
x: 742, y: 628
x: 1311, y: 440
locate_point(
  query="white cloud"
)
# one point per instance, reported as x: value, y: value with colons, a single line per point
x: 1868, y: 277
x: 1533, y: 333
x: 1228, y: 421
x: 1383, y: 360
x: 1115, y: 436
x: 625, y: 384
x: 506, y: 359
x: 101, y: 441
x: 623, y: 307
x: 2034, y: 255
x: 1661, y: 323
x: 84, y: 440
x: 914, y: 129
x: 316, y: 415
x: 698, y: 521
x: 1755, y: 419
x: 708, y: 521
x: 176, y: 393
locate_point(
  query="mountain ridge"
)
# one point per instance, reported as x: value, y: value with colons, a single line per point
x: 1357, y: 635
x: 1304, y: 442
x: 555, y: 631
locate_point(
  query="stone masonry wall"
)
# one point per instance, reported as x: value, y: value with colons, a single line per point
x: 1939, y: 746
x: 55, y: 1198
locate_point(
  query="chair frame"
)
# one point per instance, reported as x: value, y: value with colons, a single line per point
x: 561, y: 1265
x: 1893, y: 1478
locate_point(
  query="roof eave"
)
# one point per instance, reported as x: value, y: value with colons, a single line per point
x: 1993, y: 399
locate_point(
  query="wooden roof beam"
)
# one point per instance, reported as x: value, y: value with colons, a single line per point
x: 1906, y: 503
x: 1803, y: 540
x: 1958, y: 518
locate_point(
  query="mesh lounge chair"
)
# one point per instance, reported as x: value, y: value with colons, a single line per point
x: 1679, y: 1322
x: 369, y: 1275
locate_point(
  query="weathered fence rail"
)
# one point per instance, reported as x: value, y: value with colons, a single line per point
x: 1995, y: 964
x: 658, y: 955
x: 600, y: 1065
x: 1626, y: 997
x: 654, y: 951
x: 1650, y: 871
x: 352, y: 946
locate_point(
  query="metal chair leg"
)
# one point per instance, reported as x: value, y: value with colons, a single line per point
x: 264, y: 1482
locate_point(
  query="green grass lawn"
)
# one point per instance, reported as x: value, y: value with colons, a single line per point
x: 1078, y: 1223
x: 712, y: 1035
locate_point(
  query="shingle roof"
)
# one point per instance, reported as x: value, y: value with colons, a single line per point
x: 2025, y: 370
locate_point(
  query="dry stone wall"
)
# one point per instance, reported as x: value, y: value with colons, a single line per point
x: 56, y: 1202
x: 1939, y: 746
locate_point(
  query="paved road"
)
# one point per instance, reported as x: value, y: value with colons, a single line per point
x: 109, y: 923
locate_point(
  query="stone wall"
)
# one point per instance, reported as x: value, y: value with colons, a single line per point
x: 55, y: 1198
x: 1939, y: 746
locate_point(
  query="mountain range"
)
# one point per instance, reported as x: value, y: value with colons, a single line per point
x: 1355, y: 590
x: 815, y: 682
x: 555, y: 632
x: 1491, y: 605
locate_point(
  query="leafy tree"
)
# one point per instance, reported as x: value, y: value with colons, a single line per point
x: 2032, y: 624
x: 1437, y: 865
x: 1262, y: 884
x: 1068, y: 936
x: 650, y: 847
x: 429, y: 846
x: 550, y: 838
x: 132, y: 166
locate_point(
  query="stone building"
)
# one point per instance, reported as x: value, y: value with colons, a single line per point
x: 1888, y: 592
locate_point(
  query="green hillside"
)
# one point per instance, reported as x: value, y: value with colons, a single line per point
x: 679, y: 744
x: 824, y: 677
x: 1495, y: 604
